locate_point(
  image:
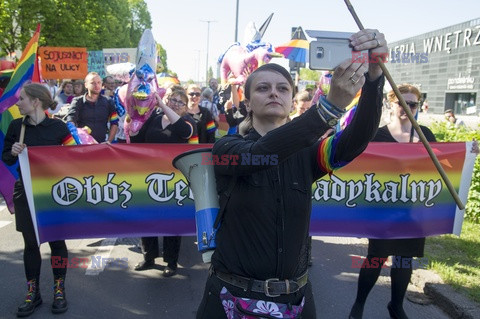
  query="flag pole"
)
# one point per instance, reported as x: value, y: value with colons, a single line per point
x: 411, y: 118
x: 22, y: 132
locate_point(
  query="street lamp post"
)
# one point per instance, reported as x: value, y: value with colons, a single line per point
x: 236, y: 22
x: 208, y: 40
x: 198, y: 66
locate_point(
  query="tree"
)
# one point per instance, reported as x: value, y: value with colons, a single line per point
x: 311, y: 75
x: 139, y: 21
x: 210, y: 74
x: 9, y: 29
x: 162, y: 59
x: 18, y: 21
x: 88, y: 23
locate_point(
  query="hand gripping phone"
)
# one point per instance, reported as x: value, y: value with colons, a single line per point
x: 330, y: 49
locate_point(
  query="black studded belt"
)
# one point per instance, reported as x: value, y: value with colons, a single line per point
x: 272, y: 287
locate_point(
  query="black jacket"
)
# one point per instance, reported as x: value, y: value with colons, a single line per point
x: 95, y: 115
x: 205, y: 125
x: 266, y: 221
x: 48, y: 132
x: 153, y: 132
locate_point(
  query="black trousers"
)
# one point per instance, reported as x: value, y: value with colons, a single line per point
x: 171, y: 249
x: 211, y: 306
x: 32, y: 259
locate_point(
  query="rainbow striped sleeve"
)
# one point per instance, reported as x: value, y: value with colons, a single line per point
x: 114, y: 118
x: 69, y: 140
x: 326, y: 154
x: 193, y: 139
x: 211, y: 126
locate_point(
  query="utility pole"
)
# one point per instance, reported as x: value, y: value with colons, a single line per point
x: 208, y: 41
x: 236, y: 22
x: 198, y: 67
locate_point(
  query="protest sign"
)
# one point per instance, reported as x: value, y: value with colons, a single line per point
x: 63, y: 62
x: 96, y: 62
x: 121, y: 55
x: 392, y: 190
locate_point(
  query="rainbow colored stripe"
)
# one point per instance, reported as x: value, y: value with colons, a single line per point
x: 193, y: 139
x: 114, y: 118
x: 326, y: 154
x: 9, y: 173
x: 211, y: 126
x: 26, y: 70
x: 102, y: 190
x: 134, y: 168
x: 386, y: 217
x: 69, y: 141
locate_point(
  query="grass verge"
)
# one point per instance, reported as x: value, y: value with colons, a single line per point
x: 457, y: 259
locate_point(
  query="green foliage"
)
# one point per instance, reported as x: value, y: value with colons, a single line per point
x: 457, y: 259
x: 445, y: 132
x: 87, y: 23
x: 162, y: 59
x: 309, y: 75
x: 18, y: 20
x: 210, y: 74
x: 140, y: 20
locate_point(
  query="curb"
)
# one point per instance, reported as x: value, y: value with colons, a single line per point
x: 456, y: 305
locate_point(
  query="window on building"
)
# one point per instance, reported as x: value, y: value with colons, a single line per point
x: 460, y: 102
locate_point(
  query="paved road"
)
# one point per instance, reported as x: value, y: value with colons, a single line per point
x: 121, y: 292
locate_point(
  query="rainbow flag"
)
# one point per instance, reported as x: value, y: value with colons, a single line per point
x: 392, y: 190
x: 26, y: 70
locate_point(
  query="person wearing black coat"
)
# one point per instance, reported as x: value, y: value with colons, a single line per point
x: 261, y: 251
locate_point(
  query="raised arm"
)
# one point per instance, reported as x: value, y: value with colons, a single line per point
x: 279, y: 143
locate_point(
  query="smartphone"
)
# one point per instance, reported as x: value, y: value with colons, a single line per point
x: 330, y: 49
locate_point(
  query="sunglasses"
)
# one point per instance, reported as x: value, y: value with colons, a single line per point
x: 411, y: 104
x: 192, y: 94
x: 176, y: 102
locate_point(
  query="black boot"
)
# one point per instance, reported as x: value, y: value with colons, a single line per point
x: 59, y: 299
x: 357, y: 311
x: 32, y: 300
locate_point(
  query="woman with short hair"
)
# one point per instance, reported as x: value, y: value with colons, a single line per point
x: 260, y: 263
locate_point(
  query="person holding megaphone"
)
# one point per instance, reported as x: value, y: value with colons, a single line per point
x: 261, y: 253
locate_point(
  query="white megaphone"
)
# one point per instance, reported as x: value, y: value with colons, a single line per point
x: 204, y: 188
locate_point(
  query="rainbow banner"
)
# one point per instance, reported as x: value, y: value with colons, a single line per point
x: 92, y: 191
x: 26, y: 70
x: 393, y: 190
